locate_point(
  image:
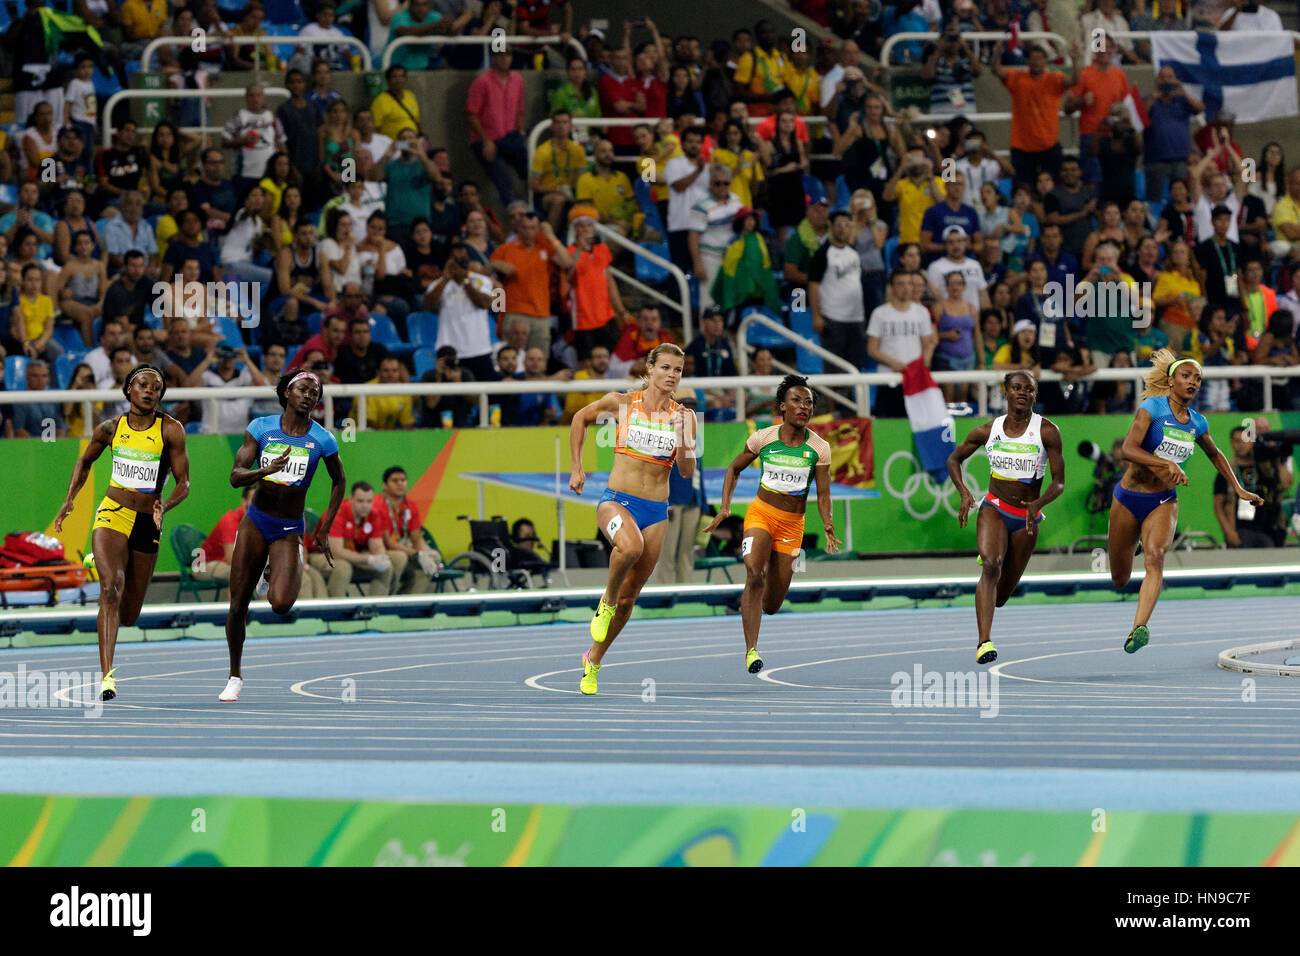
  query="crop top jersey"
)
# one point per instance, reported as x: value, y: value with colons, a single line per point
x: 648, y: 436
x: 1022, y: 458
x: 788, y: 469
x: 305, y: 451
x: 138, y: 460
x: 1168, y: 438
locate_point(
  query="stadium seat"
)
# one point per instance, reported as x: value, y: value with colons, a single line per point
x: 185, y: 541
x: 1005, y: 185
x: 760, y: 336
x: 153, y: 320
x: 284, y: 11
x: 65, y: 365
x: 1140, y: 184
x: 808, y: 363
x: 842, y: 194
x: 69, y: 336
x: 645, y: 200
x: 15, y: 373
x: 229, y: 329
x: 95, y: 328
x: 646, y: 270
x: 422, y: 328
x: 313, y: 322
x: 813, y: 188
x: 383, y: 331
x: 890, y: 253
x: 425, y: 358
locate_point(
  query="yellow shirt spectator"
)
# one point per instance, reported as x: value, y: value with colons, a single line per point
x: 613, y: 196
x: 763, y: 73
x: 35, y: 314
x: 746, y: 172
x: 806, y: 85
x: 163, y: 233
x: 574, y: 402
x: 387, y: 412
x: 562, y: 170
x: 391, y: 118
x: 913, y: 201
x: 143, y: 19
x: 1285, y: 210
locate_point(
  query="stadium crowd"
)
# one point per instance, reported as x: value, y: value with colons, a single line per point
x: 337, y: 236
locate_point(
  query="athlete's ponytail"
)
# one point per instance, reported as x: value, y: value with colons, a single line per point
x: 1158, y: 383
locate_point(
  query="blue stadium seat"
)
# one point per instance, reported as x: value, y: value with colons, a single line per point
x: 1140, y: 184
x: 1005, y: 185
x: 890, y: 253
x: 760, y: 336
x: 229, y: 330
x: 842, y: 194
x: 69, y: 336
x: 153, y: 320
x: 96, y: 327
x: 425, y: 358
x: 813, y: 189
x: 284, y: 11
x: 646, y: 270
x: 422, y: 328
x: 383, y: 331
x: 808, y: 363
x: 65, y: 365
x: 313, y: 322
x: 645, y: 200
x: 15, y: 373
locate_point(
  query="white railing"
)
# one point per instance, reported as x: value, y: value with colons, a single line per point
x: 983, y: 379
x: 975, y: 37
x: 683, y: 303
x: 155, y: 45
x: 862, y: 408
x: 170, y: 94
x: 511, y: 41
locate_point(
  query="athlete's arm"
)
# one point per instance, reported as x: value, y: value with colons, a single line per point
x: 1056, y: 462
x: 174, y: 437
x: 338, y: 484
x: 100, y: 439
x: 1223, y: 467
x: 973, y: 443
x: 1134, y: 452
x: 243, y: 474
x: 606, y: 404
x: 687, y: 439
x: 743, y: 461
x: 823, y: 475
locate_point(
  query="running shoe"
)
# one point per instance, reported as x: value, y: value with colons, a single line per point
x: 1137, y: 640
x: 231, y: 693
x: 108, y: 686
x: 600, y: 623
x: 589, y: 671
x: 263, y: 586
x: 986, y: 653
x: 753, y: 663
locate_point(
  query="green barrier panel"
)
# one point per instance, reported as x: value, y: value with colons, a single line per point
x: 254, y: 831
x: 911, y: 513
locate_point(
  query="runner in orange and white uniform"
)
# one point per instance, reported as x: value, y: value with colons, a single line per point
x: 791, y: 457
x: 654, y: 432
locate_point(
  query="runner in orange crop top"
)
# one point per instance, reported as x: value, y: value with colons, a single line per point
x: 652, y: 432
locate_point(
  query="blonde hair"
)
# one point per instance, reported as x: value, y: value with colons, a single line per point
x: 663, y: 348
x: 1158, y: 383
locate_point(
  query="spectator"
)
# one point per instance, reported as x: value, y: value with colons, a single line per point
x: 524, y: 264
x: 218, y: 370
x: 1168, y: 139
x: 403, y: 535
x: 247, y: 239
x: 596, y: 302
x: 1260, y: 471
x: 711, y: 349
x: 425, y: 255
x: 536, y: 408
x: 597, y: 367
x: 1071, y: 205
x: 959, y: 335
x: 257, y: 134
x: 1159, y: 15
x: 835, y: 294
x: 577, y: 96
x: 72, y: 173
x: 688, y: 183
x: 130, y: 293
x: 169, y: 222
x: 74, y: 221
x: 388, y: 412
x: 711, y: 228
x: 122, y: 167
x: 949, y: 212
x: 80, y: 105
x: 622, y: 96
x: 338, y: 56
x: 1208, y: 189
x: 299, y: 119
x: 1021, y: 352
x: 1109, y: 226
x: 1176, y: 286
x: 1103, y: 19
x: 299, y: 280
x: 955, y: 259
x: 683, y: 98
x: 81, y: 285
x: 337, y: 255
x: 1060, y: 262
x: 1286, y: 220
x: 1035, y: 108
x: 1219, y: 257
x: 495, y: 110
x: 219, y: 546
x: 358, y: 361
x: 128, y: 233
x: 38, y: 419
x: 905, y: 17
x: 746, y: 274
x: 449, y: 411
x: 74, y: 413
x: 1116, y: 146
x: 357, y: 542
x: 144, y: 343
x: 31, y: 324
x: 1112, y: 309
x: 1258, y: 301
x: 557, y: 164
x: 786, y: 164
x: 686, y: 503
x: 979, y: 164
x: 331, y: 337
x: 463, y: 300
x: 256, y: 56
x: 735, y: 152
x: 898, y: 333
x: 610, y: 191
x: 915, y: 188
x: 27, y: 216
x: 213, y: 196
x: 651, y: 72
x: 396, y: 108
x: 415, y: 19
x: 950, y: 69
x: 273, y: 360
x: 38, y: 142
x: 1270, y: 177
x: 640, y: 337
x: 1244, y: 15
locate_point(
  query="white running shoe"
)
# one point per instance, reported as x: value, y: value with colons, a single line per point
x: 231, y: 693
x: 263, y: 586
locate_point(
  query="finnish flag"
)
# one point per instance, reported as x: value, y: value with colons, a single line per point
x: 1250, y: 74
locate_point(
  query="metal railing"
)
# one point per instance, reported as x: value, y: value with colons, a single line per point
x: 975, y: 37
x: 170, y: 94
x: 983, y: 379
x: 862, y: 408
x: 155, y: 45
x: 509, y: 41
x: 683, y: 303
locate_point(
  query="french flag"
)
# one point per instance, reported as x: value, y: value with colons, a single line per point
x: 932, y: 427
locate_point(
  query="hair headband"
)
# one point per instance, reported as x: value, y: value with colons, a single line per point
x: 300, y: 375
x: 1175, y: 365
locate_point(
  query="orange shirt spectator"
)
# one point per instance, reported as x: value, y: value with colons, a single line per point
x: 637, y: 341
x: 1107, y: 86
x: 354, y: 533
x: 524, y: 265
x: 591, y: 306
x: 1035, y: 105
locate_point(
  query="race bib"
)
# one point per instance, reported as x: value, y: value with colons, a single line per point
x: 1245, y: 510
x: 1177, y: 445
x: 787, y: 477
x: 294, y: 470
x: 1013, y: 460
x: 1047, y: 335
x: 1230, y: 285
x: 138, y: 474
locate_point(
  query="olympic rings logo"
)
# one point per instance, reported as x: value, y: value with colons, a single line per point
x: 918, y: 480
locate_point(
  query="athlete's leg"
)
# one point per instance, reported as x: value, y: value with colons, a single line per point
x: 285, y: 574
x: 991, y: 538
x: 1121, y: 543
x: 246, y: 566
x: 629, y: 545
x: 1019, y: 550
x: 1157, y: 535
x: 139, y: 572
x: 633, y: 581
x: 780, y: 569
x: 756, y: 549
x: 112, y: 554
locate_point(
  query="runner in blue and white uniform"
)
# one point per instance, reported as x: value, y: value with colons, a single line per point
x: 1145, y: 506
x: 1020, y: 445
x: 286, y: 448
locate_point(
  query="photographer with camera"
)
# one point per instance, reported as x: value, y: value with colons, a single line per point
x: 1259, y: 467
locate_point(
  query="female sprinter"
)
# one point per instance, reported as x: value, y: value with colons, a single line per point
x: 791, y: 456
x: 1146, y: 499
x: 145, y: 443
x: 653, y: 432
x: 288, y: 448
x: 1020, y: 446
